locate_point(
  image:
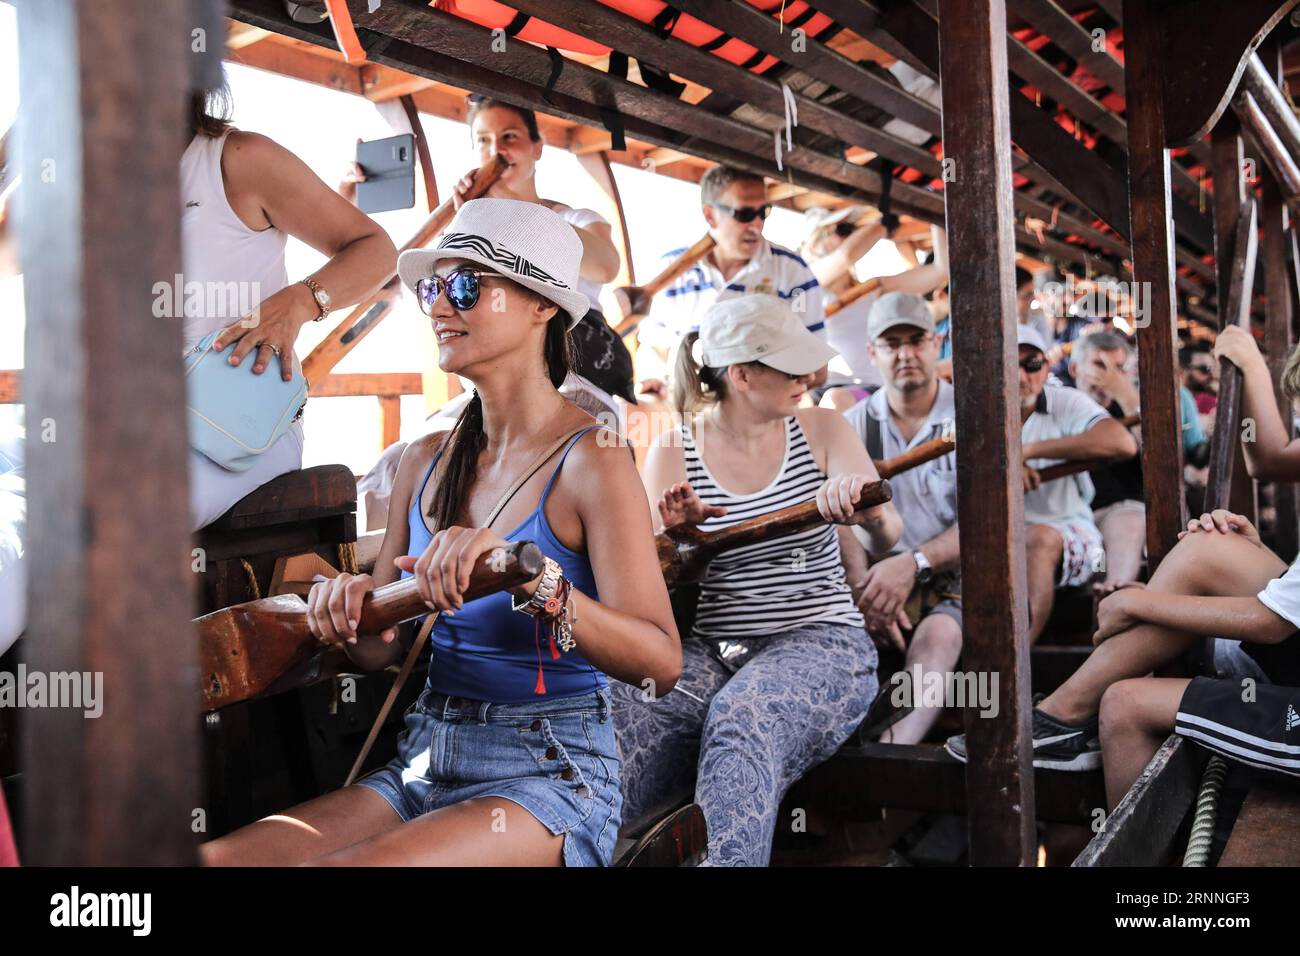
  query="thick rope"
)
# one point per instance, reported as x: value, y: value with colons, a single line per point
x: 252, y: 580
x: 1207, y: 810
x: 348, y: 557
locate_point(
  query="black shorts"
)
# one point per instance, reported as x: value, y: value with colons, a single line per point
x: 1251, y: 723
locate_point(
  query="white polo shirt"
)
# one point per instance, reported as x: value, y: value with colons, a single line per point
x: 925, y: 496
x: 774, y: 270
x: 1062, y: 412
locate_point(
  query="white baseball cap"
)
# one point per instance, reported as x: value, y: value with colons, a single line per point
x: 898, y: 308
x: 523, y: 241
x: 760, y: 328
x: 1028, y: 335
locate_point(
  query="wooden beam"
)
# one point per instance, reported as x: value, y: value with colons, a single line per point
x: 1140, y: 830
x: 1205, y: 45
x: 977, y: 131
x: 1069, y: 34
x: 1151, y: 232
x: 11, y: 386
x: 863, y: 777
x: 1278, y: 343
x: 1225, y: 448
x: 598, y: 167
x: 1230, y: 191
x: 421, y: 151
x: 110, y: 590
x: 1091, y: 181
x: 390, y: 421
x: 351, y: 384
x: 1273, y: 104
x: 759, y: 29
x: 1269, y: 145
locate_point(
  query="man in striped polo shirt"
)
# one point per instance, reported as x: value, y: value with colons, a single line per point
x: 741, y: 262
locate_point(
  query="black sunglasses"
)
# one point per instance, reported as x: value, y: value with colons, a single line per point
x: 462, y: 287
x: 745, y: 213
x: 1033, y: 364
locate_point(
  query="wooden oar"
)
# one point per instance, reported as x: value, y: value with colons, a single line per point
x: 926, y: 451
x: 1066, y: 468
x: 634, y: 301
x: 367, y: 313
x: 685, y: 551
x: 246, y: 649
x: 853, y: 294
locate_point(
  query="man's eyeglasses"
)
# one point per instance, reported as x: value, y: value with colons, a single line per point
x: 894, y: 346
x: 1033, y: 363
x: 462, y: 287
x: 744, y: 213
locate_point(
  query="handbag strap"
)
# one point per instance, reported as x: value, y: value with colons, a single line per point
x: 423, y: 636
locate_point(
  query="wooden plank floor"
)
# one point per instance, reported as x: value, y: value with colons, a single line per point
x: 1267, y: 832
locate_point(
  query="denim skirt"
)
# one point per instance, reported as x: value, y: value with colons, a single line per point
x: 555, y: 758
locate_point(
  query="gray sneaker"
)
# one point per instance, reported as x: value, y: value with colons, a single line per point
x: 1057, y: 746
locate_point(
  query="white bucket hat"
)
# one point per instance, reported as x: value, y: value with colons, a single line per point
x: 760, y: 328
x: 523, y: 241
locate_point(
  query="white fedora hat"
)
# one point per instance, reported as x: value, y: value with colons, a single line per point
x: 523, y: 241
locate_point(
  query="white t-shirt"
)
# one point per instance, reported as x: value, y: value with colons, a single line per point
x: 1062, y: 412
x: 846, y: 332
x: 1282, y: 595
x: 773, y: 270
x: 581, y: 219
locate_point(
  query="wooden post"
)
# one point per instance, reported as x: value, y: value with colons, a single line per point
x: 1278, y: 343
x: 104, y: 89
x: 1151, y: 234
x: 1229, y: 171
x: 980, y: 222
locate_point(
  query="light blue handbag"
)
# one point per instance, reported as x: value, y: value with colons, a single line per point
x: 235, y: 415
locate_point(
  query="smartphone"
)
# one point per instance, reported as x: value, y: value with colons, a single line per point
x: 389, y: 168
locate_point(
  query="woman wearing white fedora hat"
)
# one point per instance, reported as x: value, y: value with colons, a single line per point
x: 779, y: 670
x: 509, y: 755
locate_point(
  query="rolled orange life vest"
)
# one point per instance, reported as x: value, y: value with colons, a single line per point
x: 498, y: 16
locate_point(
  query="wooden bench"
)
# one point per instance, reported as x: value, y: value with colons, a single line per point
x: 1267, y: 831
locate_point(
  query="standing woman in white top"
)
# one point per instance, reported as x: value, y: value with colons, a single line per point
x: 242, y: 197
x: 602, y: 363
x: 832, y: 248
x: 779, y: 669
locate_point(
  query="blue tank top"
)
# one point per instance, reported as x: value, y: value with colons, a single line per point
x: 489, y: 652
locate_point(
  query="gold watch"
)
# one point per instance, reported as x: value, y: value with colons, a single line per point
x: 320, y: 295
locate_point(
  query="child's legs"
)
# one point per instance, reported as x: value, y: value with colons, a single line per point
x: 1205, y: 563
x: 1136, y: 717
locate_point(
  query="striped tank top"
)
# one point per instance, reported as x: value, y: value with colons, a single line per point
x: 775, y: 585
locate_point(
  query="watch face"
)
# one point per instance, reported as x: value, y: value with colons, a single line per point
x: 322, y: 297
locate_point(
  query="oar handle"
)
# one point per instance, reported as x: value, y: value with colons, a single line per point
x: 497, y: 570
x: 787, y: 521
x: 1066, y: 468
x: 926, y: 451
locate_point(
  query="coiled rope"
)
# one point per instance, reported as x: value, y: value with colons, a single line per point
x: 1207, y: 810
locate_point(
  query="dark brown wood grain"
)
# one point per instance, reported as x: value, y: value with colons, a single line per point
x: 1278, y: 343
x: 1204, y: 48
x: 1267, y: 830
x: 1153, y: 267
x: 926, y: 451
x: 1225, y: 445
x: 1268, y: 144
x: 977, y: 136
x: 110, y: 591
x: 634, y: 301
x: 1140, y: 831
x: 245, y: 649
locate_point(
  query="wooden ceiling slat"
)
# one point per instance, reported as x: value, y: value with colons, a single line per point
x: 639, y: 40
x: 1070, y: 35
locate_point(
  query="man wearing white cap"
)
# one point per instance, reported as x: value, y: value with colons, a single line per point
x: 1063, y: 546
x: 916, y: 589
x: 741, y: 262
x: 777, y: 671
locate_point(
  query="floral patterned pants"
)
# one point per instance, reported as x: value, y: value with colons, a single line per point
x: 744, y: 727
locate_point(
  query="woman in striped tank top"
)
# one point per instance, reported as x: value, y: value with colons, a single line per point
x: 779, y: 670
